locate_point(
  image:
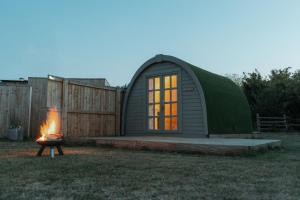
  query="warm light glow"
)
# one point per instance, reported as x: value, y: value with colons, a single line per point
x: 167, y: 95
x: 167, y: 82
x: 174, y: 123
x: 156, y: 123
x: 174, y: 95
x: 157, y: 110
x: 174, y: 81
x: 167, y: 109
x: 163, y: 91
x: 174, y: 109
x: 167, y: 123
x: 157, y: 96
x: 51, y: 127
x: 157, y: 83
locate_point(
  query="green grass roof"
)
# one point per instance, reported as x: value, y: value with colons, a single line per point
x: 227, y: 108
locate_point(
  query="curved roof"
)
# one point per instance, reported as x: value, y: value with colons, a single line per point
x: 226, y: 109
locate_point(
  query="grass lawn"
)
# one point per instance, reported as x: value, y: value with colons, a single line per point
x: 106, y: 173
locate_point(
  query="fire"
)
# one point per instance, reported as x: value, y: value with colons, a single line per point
x: 51, y: 128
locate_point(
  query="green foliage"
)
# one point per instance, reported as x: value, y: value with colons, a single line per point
x: 274, y: 95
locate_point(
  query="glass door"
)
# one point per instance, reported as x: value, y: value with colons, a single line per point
x: 154, y: 103
x: 162, y: 103
x: 170, y: 102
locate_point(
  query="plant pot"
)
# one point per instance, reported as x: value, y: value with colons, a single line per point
x: 15, y: 134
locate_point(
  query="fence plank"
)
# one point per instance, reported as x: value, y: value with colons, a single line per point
x: 14, y: 105
x: 275, y: 123
x: 118, y: 111
x: 272, y: 122
x: 64, y: 103
x: 92, y: 111
x: 271, y: 118
x: 258, y: 122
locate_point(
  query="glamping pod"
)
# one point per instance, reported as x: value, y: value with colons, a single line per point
x: 168, y: 96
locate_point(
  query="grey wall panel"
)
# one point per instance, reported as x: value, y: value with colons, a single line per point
x: 135, y: 120
x: 192, y: 122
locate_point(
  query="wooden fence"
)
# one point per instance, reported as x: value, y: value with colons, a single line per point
x: 14, y: 107
x: 282, y: 123
x: 90, y: 111
x: 85, y: 110
x: 293, y: 123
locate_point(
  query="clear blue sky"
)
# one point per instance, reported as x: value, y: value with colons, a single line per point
x: 112, y: 39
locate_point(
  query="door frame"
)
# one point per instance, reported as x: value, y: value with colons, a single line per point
x: 179, y: 102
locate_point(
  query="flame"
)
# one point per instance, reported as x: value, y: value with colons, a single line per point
x: 51, y: 126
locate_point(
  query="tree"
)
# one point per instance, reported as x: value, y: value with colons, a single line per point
x: 236, y: 78
x: 253, y: 85
x: 274, y: 95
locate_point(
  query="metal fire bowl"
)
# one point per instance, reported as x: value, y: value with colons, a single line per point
x: 50, y: 142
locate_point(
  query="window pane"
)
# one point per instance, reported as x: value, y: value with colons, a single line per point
x: 174, y: 81
x: 150, y: 84
x: 167, y: 109
x: 150, y: 97
x: 157, y: 96
x: 157, y: 110
x: 167, y: 82
x: 174, y: 123
x: 156, y: 123
x: 157, y: 83
x: 174, y: 95
x: 167, y: 95
x: 167, y: 123
x: 174, y: 109
x: 150, y: 110
x: 150, y: 123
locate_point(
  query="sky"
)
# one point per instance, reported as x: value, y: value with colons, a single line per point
x: 113, y: 38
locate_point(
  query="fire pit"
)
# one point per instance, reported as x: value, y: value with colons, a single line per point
x: 50, y: 136
x: 52, y: 143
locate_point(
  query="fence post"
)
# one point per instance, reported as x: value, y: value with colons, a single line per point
x: 117, y: 111
x: 258, y: 122
x: 64, y: 108
x: 29, y: 112
x: 285, y: 122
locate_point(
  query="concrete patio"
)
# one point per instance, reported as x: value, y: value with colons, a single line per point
x: 216, y: 146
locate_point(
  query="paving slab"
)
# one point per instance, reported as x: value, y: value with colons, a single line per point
x: 218, y: 146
